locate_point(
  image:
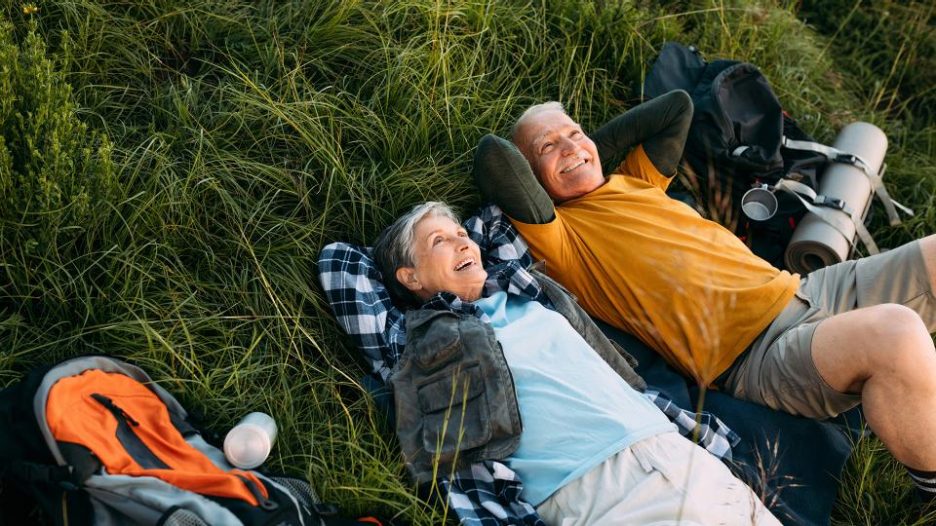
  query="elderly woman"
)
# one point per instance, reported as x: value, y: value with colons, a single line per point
x: 593, y: 449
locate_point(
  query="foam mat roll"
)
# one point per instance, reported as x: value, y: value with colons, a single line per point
x: 816, y: 243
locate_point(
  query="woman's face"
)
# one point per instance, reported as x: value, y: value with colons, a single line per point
x: 445, y: 259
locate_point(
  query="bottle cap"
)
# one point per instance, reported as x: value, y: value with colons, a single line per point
x: 246, y: 446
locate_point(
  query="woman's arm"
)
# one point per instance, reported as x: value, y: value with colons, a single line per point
x: 362, y: 305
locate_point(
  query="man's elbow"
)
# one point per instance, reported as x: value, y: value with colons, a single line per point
x: 681, y: 103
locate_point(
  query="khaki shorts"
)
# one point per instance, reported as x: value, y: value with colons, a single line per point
x: 661, y: 480
x: 778, y: 371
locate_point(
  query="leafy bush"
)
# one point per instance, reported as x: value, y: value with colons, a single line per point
x: 57, y: 181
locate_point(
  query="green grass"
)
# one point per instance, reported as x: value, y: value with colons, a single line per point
x: 243, y: 136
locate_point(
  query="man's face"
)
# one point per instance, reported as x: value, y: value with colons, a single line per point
x: 563, y: 158
x: 445, y: 259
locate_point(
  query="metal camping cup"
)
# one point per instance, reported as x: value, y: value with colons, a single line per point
x: 759, y: 203
x: 248, y: 444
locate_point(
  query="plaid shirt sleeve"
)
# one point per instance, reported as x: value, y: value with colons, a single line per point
x: 488, y: 494
x: 362, y: 304
x: 705, y: 429
x: 499, y: 240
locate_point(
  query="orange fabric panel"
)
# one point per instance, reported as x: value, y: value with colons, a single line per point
x: 74, y: 416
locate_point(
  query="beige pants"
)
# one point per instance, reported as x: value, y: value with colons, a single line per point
x: 661, y: 480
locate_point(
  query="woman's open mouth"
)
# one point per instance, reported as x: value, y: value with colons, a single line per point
x: 463, y: 264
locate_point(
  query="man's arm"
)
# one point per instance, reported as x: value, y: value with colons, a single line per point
x: 505, y: 178
x: 660, y: 124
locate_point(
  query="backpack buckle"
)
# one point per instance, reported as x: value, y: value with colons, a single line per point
x: 325, y: 509
x: 830, y: 202
x: 850, y: 158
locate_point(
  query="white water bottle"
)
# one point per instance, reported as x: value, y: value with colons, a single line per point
x: 248, y: 444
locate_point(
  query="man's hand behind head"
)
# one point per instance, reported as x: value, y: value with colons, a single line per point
x: 504, y: 177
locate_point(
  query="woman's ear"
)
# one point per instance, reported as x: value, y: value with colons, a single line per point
x: 407, y: 277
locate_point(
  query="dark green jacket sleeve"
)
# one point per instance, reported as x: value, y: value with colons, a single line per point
x: 660, y: 124
x: 504, y: 176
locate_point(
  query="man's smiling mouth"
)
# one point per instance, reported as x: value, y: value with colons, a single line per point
x: 574, y: 166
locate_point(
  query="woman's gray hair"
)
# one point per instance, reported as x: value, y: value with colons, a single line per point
x: 531, y: 111
x: 394, y: 247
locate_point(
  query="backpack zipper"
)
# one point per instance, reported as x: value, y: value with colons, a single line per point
x: 133, y: 445
x: 265, y: 503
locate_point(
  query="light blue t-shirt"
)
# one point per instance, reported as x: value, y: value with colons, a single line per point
x: 576, y: 410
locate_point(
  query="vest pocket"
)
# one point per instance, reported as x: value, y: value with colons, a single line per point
x: 440, y: 344
x: 455, y: 412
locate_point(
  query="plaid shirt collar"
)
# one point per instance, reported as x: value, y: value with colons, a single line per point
x: 506, y: 276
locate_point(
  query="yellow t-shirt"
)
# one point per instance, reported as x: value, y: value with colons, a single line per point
x: 652, y: 266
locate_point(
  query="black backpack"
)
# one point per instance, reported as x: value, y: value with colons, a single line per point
x: 71, y: 475
x: 735, y: 142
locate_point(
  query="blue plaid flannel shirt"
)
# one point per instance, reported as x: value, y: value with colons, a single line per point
x: 484, y: 493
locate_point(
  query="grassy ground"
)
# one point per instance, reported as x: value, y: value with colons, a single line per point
x: 171, y: 169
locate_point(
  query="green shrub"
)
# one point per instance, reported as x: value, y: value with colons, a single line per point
x: 57, y: 178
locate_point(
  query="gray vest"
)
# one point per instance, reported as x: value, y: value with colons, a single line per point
x: 454, y: 395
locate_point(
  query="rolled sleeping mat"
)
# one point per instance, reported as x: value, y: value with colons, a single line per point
x: 816, y: 243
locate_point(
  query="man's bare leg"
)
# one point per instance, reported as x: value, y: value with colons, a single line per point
x: 886, y: 354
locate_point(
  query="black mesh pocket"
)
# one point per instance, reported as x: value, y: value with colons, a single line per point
x: 182, y: 517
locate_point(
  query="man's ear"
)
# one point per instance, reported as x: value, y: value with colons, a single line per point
x: 407, y: 277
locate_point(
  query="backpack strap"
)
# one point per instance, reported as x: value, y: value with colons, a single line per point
x: 33, y: 472
x: 831, y: 211
x: 876, y: 179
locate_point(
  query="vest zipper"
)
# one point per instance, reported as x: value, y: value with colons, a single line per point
x: 513, y: 384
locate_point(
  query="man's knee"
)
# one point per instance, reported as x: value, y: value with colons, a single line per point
x: 897, y: 322
x: 863, y: 341
x: 898, y: 336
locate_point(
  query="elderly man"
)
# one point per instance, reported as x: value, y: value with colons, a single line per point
x: 592, y: 449
x: 856, y: 332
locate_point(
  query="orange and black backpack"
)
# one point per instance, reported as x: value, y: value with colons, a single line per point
x: 95, y: 441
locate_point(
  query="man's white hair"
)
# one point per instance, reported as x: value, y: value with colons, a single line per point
x: 531, y: 111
